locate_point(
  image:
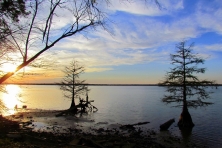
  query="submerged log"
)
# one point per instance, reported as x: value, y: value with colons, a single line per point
x: 167, y: 124
x: 131, y: 126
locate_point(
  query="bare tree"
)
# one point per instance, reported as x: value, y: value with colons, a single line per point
x: 45, y: 26
x: 42, y: 29
x: 71, y: 85
x: 10, y: 11
x: 184, y: 87
x: 34, y: 34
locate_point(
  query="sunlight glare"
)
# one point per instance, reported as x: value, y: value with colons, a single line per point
x: 11, y: 98
x: 8, y: 67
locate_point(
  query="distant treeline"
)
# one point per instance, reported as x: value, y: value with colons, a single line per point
x: 95, y: 84
x: 190, y: 85
x: 85, y: 84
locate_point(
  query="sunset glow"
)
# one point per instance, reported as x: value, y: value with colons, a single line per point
x: 135, y: 47
x: 11, y: 98
x: 8, y: 67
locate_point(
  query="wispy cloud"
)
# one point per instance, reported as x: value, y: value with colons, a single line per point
x: 140, y: 38
x: 209, y: 51
x: 214, y: 47
x: 142, y: 7
x: 209, y: 17
x: 144, y: 44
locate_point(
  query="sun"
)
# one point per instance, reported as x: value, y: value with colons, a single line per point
x: 8, y: 67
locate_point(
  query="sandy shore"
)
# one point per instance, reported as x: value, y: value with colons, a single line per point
x: 45, y: 121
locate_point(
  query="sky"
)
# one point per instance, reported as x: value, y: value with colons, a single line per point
x: 142, y: 36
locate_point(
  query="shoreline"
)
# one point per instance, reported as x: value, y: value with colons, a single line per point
x: 44, y: 121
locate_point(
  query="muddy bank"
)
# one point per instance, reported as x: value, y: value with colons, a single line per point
x: 40, y: 128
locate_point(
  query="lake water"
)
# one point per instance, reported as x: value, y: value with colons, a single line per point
x: 127, y: 105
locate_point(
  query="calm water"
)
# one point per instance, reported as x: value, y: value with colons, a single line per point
x: 127, y: 104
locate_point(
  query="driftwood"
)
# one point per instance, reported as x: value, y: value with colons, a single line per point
x: 131, y: 126
x: 82, y: 107
x: 66, y: 112
x: 167, y: 124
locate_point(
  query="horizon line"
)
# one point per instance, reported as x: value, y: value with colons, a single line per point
x: 90, y: 84
x: 101, y: 84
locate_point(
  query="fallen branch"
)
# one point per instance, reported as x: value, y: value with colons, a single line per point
x: 131, y: 126
x: 167, y: 124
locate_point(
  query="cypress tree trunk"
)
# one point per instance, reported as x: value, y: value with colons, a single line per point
x: 185, y: 120
x: 73, y: 105
x: 73, y: 108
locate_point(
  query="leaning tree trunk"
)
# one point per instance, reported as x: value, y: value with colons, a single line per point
x: 185, y: 120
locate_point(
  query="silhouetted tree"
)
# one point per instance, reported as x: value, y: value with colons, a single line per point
x: 44, y: 27
x: 183, y: 85
x: 39, y: 32
x: 71, y: 85
x: 10, y: 10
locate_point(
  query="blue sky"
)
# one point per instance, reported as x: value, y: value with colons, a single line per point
x: 141, y: 38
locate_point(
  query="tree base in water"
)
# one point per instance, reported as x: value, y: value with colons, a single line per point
x: 183, y: 125
x: 185, y: 120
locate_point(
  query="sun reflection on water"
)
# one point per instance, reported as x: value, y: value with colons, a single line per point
x: 11, y: 98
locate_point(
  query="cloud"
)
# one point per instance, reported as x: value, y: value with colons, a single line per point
x: 209, y: 17
x: 96, y: 54
x: 97, y: 69
x: 137, y: 38
x: 142, y: 7
x: 214, y: 47
x: 210, y: 51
